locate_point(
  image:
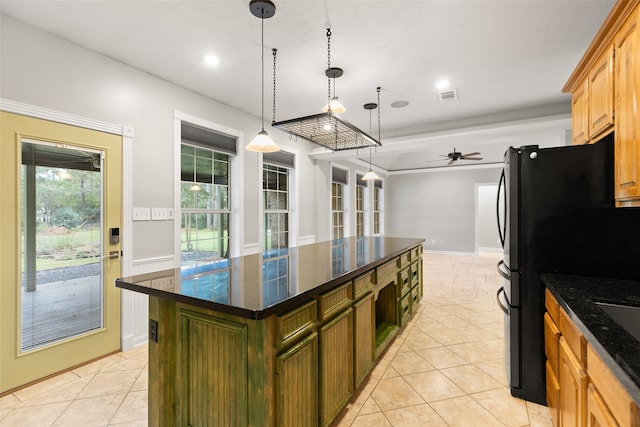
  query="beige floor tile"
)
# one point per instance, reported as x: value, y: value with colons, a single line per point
x: 93, y: 411
x: 369, y: 407
x: 134, y: 361
x: 539, y: 416
x: 348, y: 415
x: 64, y: 392
x: 441, y: 357
x: 495, y: 368
x: 415, y: 416
x: 390, y: 372
x: 142, y: 382
x: 45, y: 386
x: 465, y: 412
x: 140, y: 423
x: 371, y: 420
x: 95, y: 367
x: 510, y: 410
x: 8, y: 403
x: 448, y: 336
x: 433, y: 386
x: 135, y: 407
x: 419, y: 340
x: 410, y: 363
x: 475, y: 352
x: 116, y: 382
x: 43, y: 415
x: 470, y: 379
x: 393, y: 393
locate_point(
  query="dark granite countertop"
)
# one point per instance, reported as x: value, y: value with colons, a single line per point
x: 260, y: 285
x: 615, y: 345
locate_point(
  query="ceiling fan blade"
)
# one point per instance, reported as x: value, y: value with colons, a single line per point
x: 452, y: 161
x: 475, y: 153
x: 471, y: 158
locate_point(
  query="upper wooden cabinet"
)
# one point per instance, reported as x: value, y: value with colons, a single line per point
x: 606, y: 95
x: 601, y: 108
x: 592, y: 106
x: 627, y: 137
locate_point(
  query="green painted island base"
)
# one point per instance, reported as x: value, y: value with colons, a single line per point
x: 296, y: 368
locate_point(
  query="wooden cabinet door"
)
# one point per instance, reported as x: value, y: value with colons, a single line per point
x: 627, y: 136
x: 297, y: 384
x: 364, y: 338
x: 601, y: 109
x: 580, y: 115
x: 336, y: 365
x: 598, y: 415
x: 573, y: 383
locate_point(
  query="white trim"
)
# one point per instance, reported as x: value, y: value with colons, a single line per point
x: 306, y: 240
x: 252, y: 249
x: 236, y: 178
x: 59, y: 117
x: 147, y: 265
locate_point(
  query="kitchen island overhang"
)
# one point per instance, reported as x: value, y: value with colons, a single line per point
x: 278, y: 338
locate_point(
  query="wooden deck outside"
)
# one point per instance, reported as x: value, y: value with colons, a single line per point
x: 60, y: 310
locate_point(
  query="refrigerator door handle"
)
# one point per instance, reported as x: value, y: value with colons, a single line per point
x: 505, y: 275
x: 503, y: 307
x: 502, y: 188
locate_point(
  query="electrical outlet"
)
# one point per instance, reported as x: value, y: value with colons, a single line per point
x: 153, y: 330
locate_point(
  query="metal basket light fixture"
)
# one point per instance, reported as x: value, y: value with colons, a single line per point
x: 326, y: 129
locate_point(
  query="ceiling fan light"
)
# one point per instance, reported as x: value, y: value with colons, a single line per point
x: 336, y: 106
x: 370, y: 176
x: 262, y: 143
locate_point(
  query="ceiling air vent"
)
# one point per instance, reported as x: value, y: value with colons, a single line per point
x: 448, y: 95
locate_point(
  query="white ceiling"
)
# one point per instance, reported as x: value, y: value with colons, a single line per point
x: 507, y: 59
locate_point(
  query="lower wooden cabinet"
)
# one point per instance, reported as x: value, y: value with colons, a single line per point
x: 336, y: 365
x: 598, y: 415
x: 572, y: 380
x: 297, y: 384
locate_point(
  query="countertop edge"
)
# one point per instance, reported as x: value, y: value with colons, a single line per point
x: 620, y: 372
x: 274, y: 309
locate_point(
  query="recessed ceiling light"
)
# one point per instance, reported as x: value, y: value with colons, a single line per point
x: 442, y: 84
x: 399, y: 104
x: 211, y: 60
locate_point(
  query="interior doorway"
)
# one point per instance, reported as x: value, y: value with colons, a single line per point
x: 486, y: 228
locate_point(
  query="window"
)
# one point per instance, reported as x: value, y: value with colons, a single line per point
x: 360, y: 190
x: 275, y: 187
x: 338, y: 184
x: 377, y: 207
x: 204, y: 195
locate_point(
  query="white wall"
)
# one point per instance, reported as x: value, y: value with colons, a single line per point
x: 46, y: 71
x: 438, y: 206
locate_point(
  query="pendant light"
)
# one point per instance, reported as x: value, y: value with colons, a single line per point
x: 371, y: 175
x: 262, y: 143
x: 334, y: 105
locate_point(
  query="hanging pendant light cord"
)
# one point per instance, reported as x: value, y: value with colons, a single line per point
x: 379, y: 108
x: 262, y: 74
x: 328, y: 68
x: 275, y: 52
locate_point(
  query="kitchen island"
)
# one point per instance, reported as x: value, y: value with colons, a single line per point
x: 278, y: 338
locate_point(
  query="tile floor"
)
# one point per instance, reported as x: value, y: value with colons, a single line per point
x: 446, y: 368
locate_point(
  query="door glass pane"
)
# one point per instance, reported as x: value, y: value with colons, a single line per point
x: 61, y: 241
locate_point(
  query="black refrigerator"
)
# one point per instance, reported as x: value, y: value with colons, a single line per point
x: 555, y: 214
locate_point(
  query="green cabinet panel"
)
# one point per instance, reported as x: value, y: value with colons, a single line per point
x: 364, y: 338
x: 297, y: 384
x: 336, y: 365
x: 213, y: 382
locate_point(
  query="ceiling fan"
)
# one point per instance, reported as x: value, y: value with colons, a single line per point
x: 456, y: 155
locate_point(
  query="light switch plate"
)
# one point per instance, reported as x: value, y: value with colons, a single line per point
x: 141, y: 214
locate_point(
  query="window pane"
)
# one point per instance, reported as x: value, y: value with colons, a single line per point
x: 204, y: 170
